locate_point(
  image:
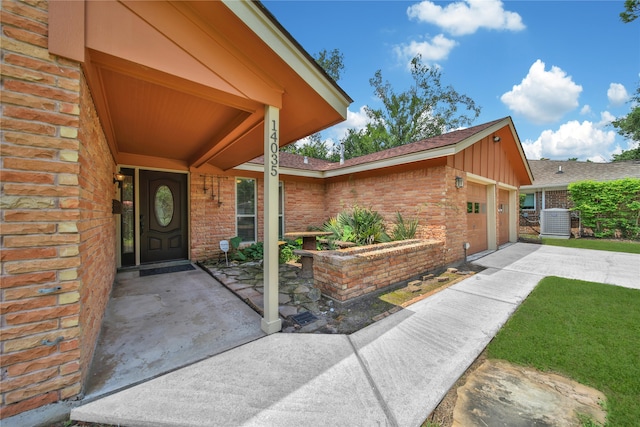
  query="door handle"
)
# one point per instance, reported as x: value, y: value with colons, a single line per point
x: 141, y: 224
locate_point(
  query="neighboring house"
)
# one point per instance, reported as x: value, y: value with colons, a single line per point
x: 129, y: 135
x: 552, y: 178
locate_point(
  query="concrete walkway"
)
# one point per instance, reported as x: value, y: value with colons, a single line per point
x: 393, y: 372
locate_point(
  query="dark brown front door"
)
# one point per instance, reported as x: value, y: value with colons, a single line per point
x: 163, y: 216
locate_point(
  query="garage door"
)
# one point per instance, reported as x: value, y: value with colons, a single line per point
x: 503, y: 217
x: 476, y: 217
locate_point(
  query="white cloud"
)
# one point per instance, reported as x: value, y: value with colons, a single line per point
x: 431, y: 51
x: 355, y: 120
x: 605, y: 119
x: 585, y: 110
x: 543, y: 96
x: 586, y: 141
x: 617, y: 94
x: 467, y: 17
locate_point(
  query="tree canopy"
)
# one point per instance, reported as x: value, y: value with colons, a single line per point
x: 426, y: 109
x: 333, y: 64
x: 631, y: 10
x: 629, y: 127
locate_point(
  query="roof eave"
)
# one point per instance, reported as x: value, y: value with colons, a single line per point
x: 256, y: 16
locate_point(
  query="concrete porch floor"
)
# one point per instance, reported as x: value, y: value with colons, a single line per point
x: 159, y: 323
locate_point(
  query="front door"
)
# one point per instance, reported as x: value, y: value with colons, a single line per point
x: 163, y: 216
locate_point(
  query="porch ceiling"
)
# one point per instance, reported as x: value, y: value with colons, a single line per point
x: 149, y: 119
x: 186, y: 83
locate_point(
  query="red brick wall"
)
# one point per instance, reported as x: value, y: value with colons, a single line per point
x: 304, y: 205
x: 353, y: 272
x: 57, y: 230
x: 211, y: 221
x: 428, y: 194
x: 97, y: 227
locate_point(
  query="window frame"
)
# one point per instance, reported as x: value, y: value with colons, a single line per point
x: 526, y: 208
x: 244, y: 215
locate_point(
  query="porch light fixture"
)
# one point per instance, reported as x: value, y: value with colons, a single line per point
x: 459, y: 182
x: 496, y: 138
x: 119, y: 178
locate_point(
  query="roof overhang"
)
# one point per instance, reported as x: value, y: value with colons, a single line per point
x: 504, y: 128
x: 186, y: 83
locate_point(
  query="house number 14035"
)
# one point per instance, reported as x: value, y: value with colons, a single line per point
x: 274, y: 149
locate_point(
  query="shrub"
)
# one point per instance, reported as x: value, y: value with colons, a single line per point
x: 608, y: 207
x: 404, y: 230
x: 360, y: 225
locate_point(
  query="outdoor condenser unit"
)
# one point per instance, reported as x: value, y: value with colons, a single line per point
x: 555, y: 223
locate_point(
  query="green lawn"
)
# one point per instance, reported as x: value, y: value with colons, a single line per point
x: 602, y: 245
x: 587, y: 331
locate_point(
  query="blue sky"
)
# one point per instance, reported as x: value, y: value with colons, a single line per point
x: 561, y: 69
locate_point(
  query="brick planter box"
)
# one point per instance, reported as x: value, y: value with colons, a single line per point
x: 348, y: 273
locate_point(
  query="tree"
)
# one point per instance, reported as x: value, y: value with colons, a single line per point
x: 631, y: 10
x: 314, y: 147
x: 333, y: 64
x: 425, y: 110
x: 629, y: 127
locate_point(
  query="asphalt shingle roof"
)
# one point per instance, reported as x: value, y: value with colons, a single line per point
x: 557, y: 173
x: 451, y: 138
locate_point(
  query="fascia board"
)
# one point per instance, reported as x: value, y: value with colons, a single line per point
x: 283, y: 171
x: 393, y: 161
x: 530, y: 188
x: 261, y: 25
x: 504, y: 186
x: 479, y: 179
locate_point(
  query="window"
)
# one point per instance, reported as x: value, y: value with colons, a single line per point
x: 529, y: 201
x: 246, y: 209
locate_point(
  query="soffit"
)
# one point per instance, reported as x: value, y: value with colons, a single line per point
x: 188, y: 81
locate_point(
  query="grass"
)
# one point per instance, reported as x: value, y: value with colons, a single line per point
x: 602, y: 245
x: 587, y: 331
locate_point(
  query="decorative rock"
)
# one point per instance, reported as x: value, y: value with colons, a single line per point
x: 283, y: 298
x: 314, y: 294
x: 302, y: 289
x: 290, y: 275
x: 427, y: 277
x: 287, y: 310
x: 443, y: 279
x: 452, y: 270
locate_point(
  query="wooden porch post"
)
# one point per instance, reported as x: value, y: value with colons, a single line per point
x: 271, y: 321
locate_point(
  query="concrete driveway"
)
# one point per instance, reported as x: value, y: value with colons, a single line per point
x: 392, y: 373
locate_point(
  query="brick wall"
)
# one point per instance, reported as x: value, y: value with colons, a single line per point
x: 304, y: 205
x: 428, y: 194
x: 211, y: 221
x: 97, y: 228
x: 57, y: 230
x: 349, y: 273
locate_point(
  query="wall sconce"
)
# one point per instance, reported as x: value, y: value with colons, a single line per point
x: 496, y: 138
x: 459, y: 182
x: 119, y: 178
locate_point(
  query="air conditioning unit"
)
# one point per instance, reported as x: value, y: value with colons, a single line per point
x: 555, y: 223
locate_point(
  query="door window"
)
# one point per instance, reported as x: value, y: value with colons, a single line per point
x: 163, y: 205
